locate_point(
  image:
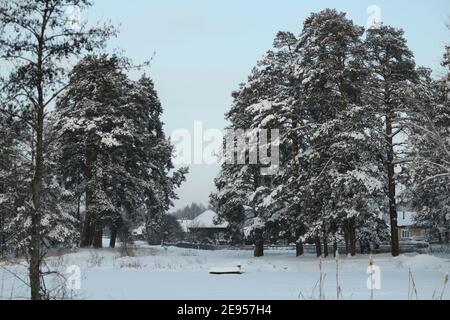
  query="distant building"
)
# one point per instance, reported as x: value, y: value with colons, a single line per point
x: 408, y: 229
x: 204, y: 228
x: 138, y: 233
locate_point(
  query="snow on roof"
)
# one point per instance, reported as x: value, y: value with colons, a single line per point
x: 206, y: 220
x: 405, y: 218
x: 185, y: 224
x: 139, y: 231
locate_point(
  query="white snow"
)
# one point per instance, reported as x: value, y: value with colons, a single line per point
x: 174, y: 273
x: 267, y: 120
x: 264, y: 105
x: 110, y: 141
x: 185, y: 224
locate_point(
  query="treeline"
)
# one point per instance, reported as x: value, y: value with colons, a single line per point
x: 358, y: 122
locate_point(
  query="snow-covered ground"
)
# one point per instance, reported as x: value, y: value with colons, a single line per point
x: 174, y: 273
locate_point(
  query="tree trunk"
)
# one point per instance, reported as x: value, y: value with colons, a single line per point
x: 36, y: 189
x: 259, y: 244
x: 352, y: 237
x: 2, y: 235
x: 318, y: 247
x: 98, y: 237
x: 112, y: 241
x: 335, y: 247
x: 299, y: 250
x: 80, y: 224
x: 325, y: 246
x: 391, y: 187
x: 86, y: 235
x: 361, y: 247
x: 440, y: 239
x: 259, y: 248
x: 346, y: 238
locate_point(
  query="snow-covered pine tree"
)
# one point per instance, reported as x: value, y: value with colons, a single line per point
x: 59, y: 223
x: 429, y: 171
x: 14, y: 171
x: 288, y: 115
x: 391, y: 66
x: 231, y: 203
x: 343, y: 187
x: 110, y: 126
x: 276, y: 110
x: 16, y: 160
x: 242, y: 185
x: 329, y: 180
x: 235, y: 181
x: 88, y: 124
x: 158, y: 176
x: 265, y: 103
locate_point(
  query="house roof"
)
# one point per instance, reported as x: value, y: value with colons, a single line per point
x: 405, y: 218
x: 139, y: 231
x: 206, y: 220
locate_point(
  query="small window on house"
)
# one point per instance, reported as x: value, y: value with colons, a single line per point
x: 406, y: 233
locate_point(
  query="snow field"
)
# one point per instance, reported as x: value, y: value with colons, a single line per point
x: 174, y: 273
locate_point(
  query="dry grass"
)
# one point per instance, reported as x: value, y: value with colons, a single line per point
x: 127, y: 253
x: 95, y: 260
x: 444, y: 287
x: 11, y: 261
x: 158, y: 265
x: 413, y: 291
x: 55, y: 262
x: 189, y: 253
x: 136, y: 264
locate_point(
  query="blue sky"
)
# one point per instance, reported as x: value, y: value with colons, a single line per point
x: 205, y: 48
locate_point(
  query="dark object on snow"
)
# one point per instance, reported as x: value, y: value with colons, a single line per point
x: 226, y: 270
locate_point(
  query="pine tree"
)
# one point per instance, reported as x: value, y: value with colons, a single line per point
x: 111, y: 127
x: 242, y: 185
x: 283, y: 198
x: 14, y: 170
x: 342, y: 184
x: 428, y: 174
x: 89, y: 122
x: 235, y: 183
x: 392, y: 67
x: 329, y: 182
